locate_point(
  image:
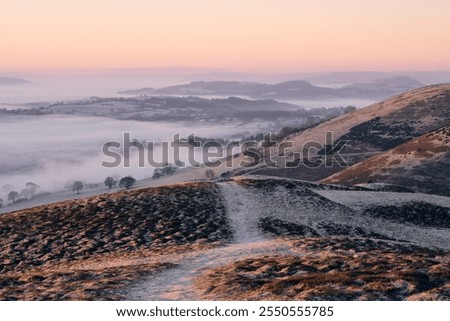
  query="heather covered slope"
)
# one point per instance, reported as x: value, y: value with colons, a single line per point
x: 422, y: 164
x: 159, y: 243
x: 405, y: 116
x: 112, y: 223
x: 90, y: 248
x: 335, y: 268
x: 362, y: 133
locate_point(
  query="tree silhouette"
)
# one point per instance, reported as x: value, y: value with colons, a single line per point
x: 32, y: 188
x: 127, y: 182
x: 13, y: 196
x: 77, y: 187
x: 110, y: 182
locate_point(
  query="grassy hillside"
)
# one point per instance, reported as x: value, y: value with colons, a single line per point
x: 250, y: 238
x: 421, y: 164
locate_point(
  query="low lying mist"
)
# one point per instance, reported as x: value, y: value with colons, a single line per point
x: 52, y: 150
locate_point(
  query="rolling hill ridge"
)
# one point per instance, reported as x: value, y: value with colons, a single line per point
x: 365, y: 132
x: 421, y: 164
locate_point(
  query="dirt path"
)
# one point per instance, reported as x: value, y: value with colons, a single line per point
x: 177, y: 283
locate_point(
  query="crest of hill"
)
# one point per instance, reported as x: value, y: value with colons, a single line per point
x: 7, y: 81
x: 384, y: 125
x: 421, y: 164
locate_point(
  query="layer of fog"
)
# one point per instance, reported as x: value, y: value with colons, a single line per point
x: 52, y: 150
x: 58, y: 88
x: 49, y: 90
x: 60, y: 85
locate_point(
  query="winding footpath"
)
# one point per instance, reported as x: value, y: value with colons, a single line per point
x: 178, y: 283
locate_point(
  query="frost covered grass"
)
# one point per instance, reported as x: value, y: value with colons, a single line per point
x: 121, y: 222
x: 67, y: 283
x: 44, y: 251
x: 324, y: 210
x: 245, y: 238
x: 338, y: 269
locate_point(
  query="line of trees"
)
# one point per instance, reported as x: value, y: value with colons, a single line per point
x: 31, y: 189
x: 29, y: 192
x: 110, y: 182
x: 126, y: 182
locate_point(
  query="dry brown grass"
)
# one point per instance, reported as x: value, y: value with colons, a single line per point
x: 324, y: 274
x: 112, y: 223
x: 102, y: 277
x: 72, y: 284
x: 86, y: 249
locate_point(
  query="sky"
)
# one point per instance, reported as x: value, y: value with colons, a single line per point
x: 237, y: 35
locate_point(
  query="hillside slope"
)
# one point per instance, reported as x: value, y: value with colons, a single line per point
x: 382, y: 125
x: 364, y: 132
x: 422, y: 164
x: 8, y: 81
x: 159, y: 243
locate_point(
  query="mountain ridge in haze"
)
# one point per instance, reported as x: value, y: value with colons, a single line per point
x: 9, y: 81
x: 291, y: 89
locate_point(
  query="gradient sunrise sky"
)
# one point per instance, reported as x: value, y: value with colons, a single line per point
x: 240, y: 35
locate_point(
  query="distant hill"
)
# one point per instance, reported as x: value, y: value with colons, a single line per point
x: 350, y: 77
x: 289, y: 89
x: 294, y: 90
x: 8, y: 81
x: 188, y: 108
x: 380, y: 88
x: 159, y: 108
x: 422, y: 164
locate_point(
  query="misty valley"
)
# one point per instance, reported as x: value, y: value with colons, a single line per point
x: 239, y: 159
x: 320, y: 199
x: 61, y: 142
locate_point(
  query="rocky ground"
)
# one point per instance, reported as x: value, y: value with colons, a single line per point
x: 247, y: 238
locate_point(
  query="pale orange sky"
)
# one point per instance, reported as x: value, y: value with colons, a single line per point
x: 240, y: 35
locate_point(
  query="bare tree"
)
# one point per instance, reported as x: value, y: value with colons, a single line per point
x: 32, y: 189
x: 13, y: 196
x: 110, y: 182
x: 77, y: 186
x: 25, y: 193
x: 127, y: 182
